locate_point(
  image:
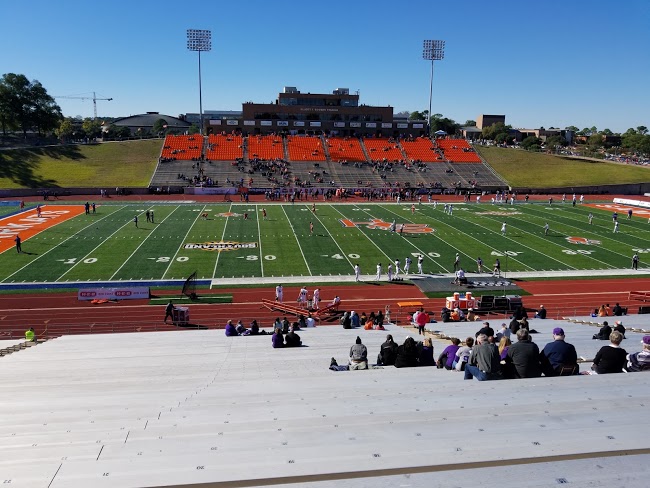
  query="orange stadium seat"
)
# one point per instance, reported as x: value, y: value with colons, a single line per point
x: 224, y: 147
x: 265, y: 147
x: 345, y: 149
x: 380, y: 149
x: 458, y: 151
x: 421, y: 148
x: 184, y: 147
x: 305, y: 148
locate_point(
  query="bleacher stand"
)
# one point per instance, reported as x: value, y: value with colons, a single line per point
x: 305, y: 148
x: 183, y: 147
x: 222, y: 147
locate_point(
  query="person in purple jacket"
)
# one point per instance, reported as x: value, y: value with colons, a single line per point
x: 446, y: 358
x: 231, y: 330
x: 277, y: 339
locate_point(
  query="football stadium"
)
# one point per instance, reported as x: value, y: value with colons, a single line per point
x: 320, y: 291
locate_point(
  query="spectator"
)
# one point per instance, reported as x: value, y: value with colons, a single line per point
x: 255, y: 329
x: 541, y: 313
x: 277, y: 339
x: 640, y: 361
x: 446, y: 358
x: 471, y: 315
x: 354, y: 319
x: 604, y: 332
x: 463, y: 354
x: 503, y: 332
x: 346, y: 322
x: 387, y: 352
x: 484, y: 363
x: 421, y: 320
x: 611, y: 358
x: 504, y: 345
x: 231, y: 330
x: 407, y: 354
x: 425, y: 353
x: 602, y: 311
x: 618, y: 326
x: 617, y: 310
x: 559, y: 358
x: 30, y: 335
x: 310, y: 321
x: 524, y: 356
x: 292, y: 339
x: 241, y: 329
x: 486, y: 329
x: 358, y: 355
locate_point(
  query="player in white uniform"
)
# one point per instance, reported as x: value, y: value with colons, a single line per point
x: 357, y: 272
x: 302, y: 298
x: 316, y: 299
x: 390, y: 272
x: 378, y: 277
x: 503, y: 229
x: 397, y: 270
x: 407, y: 265
x: 420, y: 263
x: 278, y: 293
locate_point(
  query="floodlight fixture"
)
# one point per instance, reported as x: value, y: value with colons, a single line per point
x: 432, y: 50
x: 199, y: 40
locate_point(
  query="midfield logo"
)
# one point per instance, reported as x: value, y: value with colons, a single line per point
x: 381, y: 225
x: 221, y: 246
x: 582, y: 240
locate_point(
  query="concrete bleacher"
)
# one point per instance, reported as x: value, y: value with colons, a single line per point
x: 183, y: 408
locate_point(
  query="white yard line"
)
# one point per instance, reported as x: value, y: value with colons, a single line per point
x: 223, y: 234
x: 141, y: 244
x: 330, y: 234
x: 259, y: 238
x: 299, y: 246
x: 80, y: 260
x: 63, y: 241
x: 364, y: 234
x: 407, y: 240
x: 171, y: 261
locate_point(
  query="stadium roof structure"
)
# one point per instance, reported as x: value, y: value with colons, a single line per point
x: 149, y: 119
x: 196, y: 408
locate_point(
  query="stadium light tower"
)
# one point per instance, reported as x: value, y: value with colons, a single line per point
x: 432, y: 51
x: 199, y: 40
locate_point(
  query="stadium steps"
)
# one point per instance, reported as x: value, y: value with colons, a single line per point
x: 19, y: 347
x: 285, y: 148
x: 245, y: 153
x: 326, y: 149
x: 365, y: 150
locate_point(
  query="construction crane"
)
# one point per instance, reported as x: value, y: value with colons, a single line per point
x: 93, y: 98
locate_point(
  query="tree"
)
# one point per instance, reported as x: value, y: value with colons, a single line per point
x: 27, y: 105
x: 573, y: 129
x: 91, y: 127
x: 607, y: 132
x: 443, y: 123
x: 531, y: 143
x: 595, y: 141
x: 470, y: 123
x: 555, y: 142
x: 193, y: 129
x: 492, y: 131
x: 65, y: 129
x: 642, y: 129
x: 419, y: 115
x: 159, y: 127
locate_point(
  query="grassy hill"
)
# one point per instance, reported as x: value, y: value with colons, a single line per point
x: 111, y: 164
x: 536, y: 170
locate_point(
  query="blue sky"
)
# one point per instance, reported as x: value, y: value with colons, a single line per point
x: 554, y: 63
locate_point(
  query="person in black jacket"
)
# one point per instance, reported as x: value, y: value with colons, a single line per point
x: 611, y: 358
x: 292, y: 339
x: 387, y: 352
x: 407, y: 354
x: 524, y: 356
x: 604, y: 332
x: 541, y: 313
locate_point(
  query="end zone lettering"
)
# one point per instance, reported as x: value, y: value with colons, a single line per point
x: 87, y: 294
x: 220, y: 246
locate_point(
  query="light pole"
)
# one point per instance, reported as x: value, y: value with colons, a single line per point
x: 199, y: 40
x: 432, y: 51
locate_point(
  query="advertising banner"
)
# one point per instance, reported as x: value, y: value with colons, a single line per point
x: 124, y: 293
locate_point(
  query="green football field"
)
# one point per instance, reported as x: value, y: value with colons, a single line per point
x: 108, y: 246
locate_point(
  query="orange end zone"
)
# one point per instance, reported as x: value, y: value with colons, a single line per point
x: 622, y: 209
x: 28, y: 224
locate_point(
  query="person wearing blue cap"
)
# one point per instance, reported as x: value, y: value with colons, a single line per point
x: 559, y: 358
x: 640, y: 361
